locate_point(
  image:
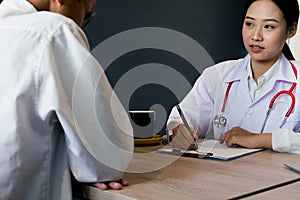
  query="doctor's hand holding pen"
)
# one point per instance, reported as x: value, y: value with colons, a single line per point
x: 242, y: 137
x: 183, y: 139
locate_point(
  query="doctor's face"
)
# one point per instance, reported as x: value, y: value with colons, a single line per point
x: 264, y: 31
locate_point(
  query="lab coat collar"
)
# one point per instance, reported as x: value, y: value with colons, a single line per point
x: 239, y: 72
x: 285, y: 71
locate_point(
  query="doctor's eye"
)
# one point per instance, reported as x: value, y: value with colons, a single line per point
x: 248, y: 24
x: 270, y: 27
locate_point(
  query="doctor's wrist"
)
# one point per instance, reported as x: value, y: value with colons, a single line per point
x: 264, y: 140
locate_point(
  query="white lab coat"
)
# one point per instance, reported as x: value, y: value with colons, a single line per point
x: 58, y: 111
x: 205, y: 100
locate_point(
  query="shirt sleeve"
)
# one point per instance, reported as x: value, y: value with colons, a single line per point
x: 286, y: 140
x: 98, y: 133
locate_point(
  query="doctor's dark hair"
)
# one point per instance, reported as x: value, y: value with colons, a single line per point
x: 290, y: 10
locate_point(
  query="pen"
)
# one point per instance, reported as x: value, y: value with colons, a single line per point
x: 186, y: 124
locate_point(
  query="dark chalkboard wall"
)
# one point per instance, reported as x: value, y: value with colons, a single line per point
x: 215, y: 24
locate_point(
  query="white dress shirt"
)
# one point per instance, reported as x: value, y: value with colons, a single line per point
x: 247, y: 102
x: 57, y: 109
x: 256, y: 89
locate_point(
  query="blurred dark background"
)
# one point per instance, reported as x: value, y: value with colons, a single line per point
x: 215, y: 24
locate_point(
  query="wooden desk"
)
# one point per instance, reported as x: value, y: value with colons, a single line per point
x: 290, y: 191
x: 190, y: 178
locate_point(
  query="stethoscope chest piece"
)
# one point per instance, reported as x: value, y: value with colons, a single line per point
x: 220, y: 120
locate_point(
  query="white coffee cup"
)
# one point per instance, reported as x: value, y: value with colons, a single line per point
x: 142, y: 122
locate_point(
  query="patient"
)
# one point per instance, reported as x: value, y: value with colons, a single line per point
x: 56, y: 104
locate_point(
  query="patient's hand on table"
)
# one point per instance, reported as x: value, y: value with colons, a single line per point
x: 115, y: 185
x: 182, y: 139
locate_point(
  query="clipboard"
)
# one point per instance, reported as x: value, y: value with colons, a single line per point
x: 211, y: 149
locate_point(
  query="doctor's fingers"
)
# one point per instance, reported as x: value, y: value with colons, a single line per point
x: 230, y: 137
x: 183, y: 131
x: 183, y: 128
x: 181, y: 142
x: 181, y: 138
x: 224, y: 136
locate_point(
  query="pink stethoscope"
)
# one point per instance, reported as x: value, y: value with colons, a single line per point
x: 220, y: 120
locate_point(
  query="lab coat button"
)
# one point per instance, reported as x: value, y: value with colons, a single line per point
x: 249, y: 110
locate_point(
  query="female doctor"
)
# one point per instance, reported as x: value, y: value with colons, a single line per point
x: 252, y: 102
